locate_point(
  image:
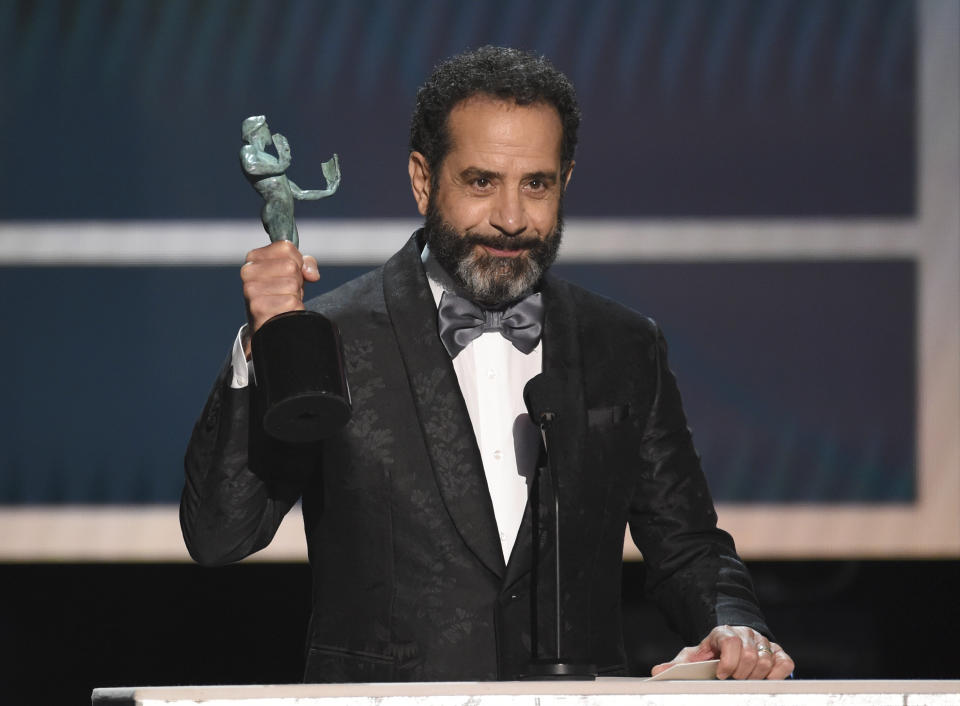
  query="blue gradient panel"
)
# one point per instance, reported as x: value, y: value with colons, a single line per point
x: 798, y: 378
x: 691, y: 107
x: 107, y: 373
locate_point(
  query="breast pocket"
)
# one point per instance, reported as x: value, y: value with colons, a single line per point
x: 613, y: 442
x: 600, y: 417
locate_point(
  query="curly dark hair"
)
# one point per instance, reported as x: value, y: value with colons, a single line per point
x: 509, y: 74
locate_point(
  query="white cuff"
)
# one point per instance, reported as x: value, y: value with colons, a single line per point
x: 243, y: 373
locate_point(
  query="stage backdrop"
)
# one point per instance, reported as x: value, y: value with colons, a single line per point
x: 774, y: 182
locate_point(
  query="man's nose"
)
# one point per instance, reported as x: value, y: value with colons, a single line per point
x: 508, y: 214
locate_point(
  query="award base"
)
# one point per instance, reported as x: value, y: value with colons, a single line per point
x: 301, y: 379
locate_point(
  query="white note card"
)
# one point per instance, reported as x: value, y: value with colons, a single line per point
x: 689, y: 670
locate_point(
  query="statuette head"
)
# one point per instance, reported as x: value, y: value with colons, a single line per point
x: 252, y: 125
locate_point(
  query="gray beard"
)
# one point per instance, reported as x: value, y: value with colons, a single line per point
x: 490, y: 281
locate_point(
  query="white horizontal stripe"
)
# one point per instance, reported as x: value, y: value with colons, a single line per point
x: 190, y: 242
x: 596, y: 240
x: 117, y: 533
x: 373, y: 241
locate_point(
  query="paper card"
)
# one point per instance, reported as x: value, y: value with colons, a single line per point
x: 689, y: 670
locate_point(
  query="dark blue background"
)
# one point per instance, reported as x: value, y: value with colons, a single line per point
x: 691, y: 107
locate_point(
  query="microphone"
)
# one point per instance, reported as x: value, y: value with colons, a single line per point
x: 543, y: 395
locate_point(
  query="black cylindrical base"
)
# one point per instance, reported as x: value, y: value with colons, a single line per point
x: 548, y: 670
x: 301, y: 377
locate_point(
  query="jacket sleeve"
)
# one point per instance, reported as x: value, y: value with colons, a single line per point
x: 239, y: 483
x: 693, y: 571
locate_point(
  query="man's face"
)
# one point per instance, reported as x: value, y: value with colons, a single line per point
x: 493, y: 212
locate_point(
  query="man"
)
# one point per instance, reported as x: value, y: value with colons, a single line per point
x: 417, y: 530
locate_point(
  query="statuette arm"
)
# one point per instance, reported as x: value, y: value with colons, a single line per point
x: 331, y: 172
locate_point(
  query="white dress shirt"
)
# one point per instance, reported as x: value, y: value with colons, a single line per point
x: 492, y: 374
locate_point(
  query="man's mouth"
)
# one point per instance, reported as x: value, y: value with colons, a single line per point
x: 498, y: 252
x: 502, y: 247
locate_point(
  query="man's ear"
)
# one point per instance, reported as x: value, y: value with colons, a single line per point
x: 419, y: 180
x: 566, y: 177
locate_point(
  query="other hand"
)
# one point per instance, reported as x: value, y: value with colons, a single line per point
x: 283, y: 150
x: 273, y: 279
x: 743, y: 653
x: 331, y: 172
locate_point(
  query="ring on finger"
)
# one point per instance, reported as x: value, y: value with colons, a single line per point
x: 763, y: 648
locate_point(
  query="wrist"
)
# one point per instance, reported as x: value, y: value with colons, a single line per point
x: 245, y: 342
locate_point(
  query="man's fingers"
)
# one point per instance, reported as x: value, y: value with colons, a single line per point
x: 271, y: 273
x: 271, y: 296
x: 657, y: 668
x: 311, y: 272
x: 273, y: 279
x: 278, y: 250
x: 268, y: 305
x: 698, y: 653
x: 725, y: 644
x: 732, y: 657
x: 765, y: 660
x: 263, y: 269
x: 783, y: 665
x: 743, y: 652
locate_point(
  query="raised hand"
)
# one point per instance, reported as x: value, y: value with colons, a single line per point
x: 273, y: 278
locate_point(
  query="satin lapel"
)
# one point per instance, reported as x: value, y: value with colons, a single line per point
x: 561, y: 354
x: 442, y: 413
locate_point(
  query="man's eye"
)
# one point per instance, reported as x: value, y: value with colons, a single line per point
x: 481, y: 182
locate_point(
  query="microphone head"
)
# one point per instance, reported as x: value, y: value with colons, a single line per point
x: 543, y: 395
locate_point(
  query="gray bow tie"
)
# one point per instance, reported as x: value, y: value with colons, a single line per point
x: 461, y: 321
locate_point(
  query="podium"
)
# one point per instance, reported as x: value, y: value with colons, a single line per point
x: 602, y: 692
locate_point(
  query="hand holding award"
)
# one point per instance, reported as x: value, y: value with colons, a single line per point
x: 301, y: 387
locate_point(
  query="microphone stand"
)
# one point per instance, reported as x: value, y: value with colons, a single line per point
x: 558, y: 667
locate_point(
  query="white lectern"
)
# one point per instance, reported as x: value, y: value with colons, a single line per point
x: 602, y: 692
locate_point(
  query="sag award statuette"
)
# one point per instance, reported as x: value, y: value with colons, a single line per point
x: 301, y: 388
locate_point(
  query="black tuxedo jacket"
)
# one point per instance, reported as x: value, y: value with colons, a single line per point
x: 409, y: 581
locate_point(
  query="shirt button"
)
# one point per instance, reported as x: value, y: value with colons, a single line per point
x: 497, y: 455
x: 491, y: 373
